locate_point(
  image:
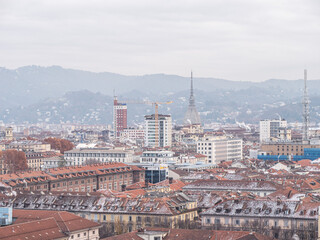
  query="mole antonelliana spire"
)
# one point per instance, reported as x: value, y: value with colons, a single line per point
x: 192, y: 115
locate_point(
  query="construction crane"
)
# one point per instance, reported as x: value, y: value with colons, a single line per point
x: 156, y: 115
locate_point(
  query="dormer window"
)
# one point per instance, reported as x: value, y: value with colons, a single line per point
x: 257, y: 210
x: 218, y: 210
x: 228, y: 210
x: 238, y: 210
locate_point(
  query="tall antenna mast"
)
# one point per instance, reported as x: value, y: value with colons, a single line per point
x: 305, y: 103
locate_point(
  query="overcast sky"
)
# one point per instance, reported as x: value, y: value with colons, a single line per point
x: 242, y: 40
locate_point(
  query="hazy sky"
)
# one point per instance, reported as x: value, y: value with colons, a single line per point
x: 233, y: 39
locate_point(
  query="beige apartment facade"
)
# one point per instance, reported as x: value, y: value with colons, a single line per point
x: 290, y: 148
x: 277, y: 219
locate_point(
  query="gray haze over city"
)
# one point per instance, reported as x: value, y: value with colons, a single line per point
x: 235, y: 40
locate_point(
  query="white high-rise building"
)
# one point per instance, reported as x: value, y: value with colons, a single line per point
x: 269, y: 129
x: 220, y: 148
x: 165, y: 131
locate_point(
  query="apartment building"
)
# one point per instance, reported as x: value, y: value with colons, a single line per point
x: 132, y: 134
x: 286, y: 148
x: 164, y: 130
x: 77, y: 157
x: 260, y: 188
x: 274, y: 130
x: 127, y: 213
x: 34, y: 160
x: 76, y: 179
x: 158, y: 157
x: 278, y: 219
x: 220, y: 148
x: 28, y: 146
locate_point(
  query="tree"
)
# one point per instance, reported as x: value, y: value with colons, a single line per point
x: 14, y: 160
x: 59, y: 144
x: 119, y: 227
x: 65, y: 145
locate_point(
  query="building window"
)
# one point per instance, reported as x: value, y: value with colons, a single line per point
x: 237, y: 222
x: 93, y: 232
x: 301, y: 224
x: 85, y: 234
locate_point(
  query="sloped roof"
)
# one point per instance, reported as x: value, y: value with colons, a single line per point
x: 191, y: 234
x: 67, y: 222
x: 44, y: 229
x: 174, y: 186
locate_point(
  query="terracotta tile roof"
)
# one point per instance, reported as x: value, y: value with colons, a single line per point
x: 286, y: 193
x: 126, y: 236
x: 139, y: 185
x: 305, y: 162
x: 180, y: 172
x: 130, y: 193
x: 67, y: 172
x: 44, y: 229
x: 68, y: 222
x: 191, y: 234
x: 176, y: 185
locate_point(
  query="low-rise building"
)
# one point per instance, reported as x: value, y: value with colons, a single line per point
x: 278, y: 219
x: 132, y: 134
x: 76, y: 179
x: 82, y: 156
x: 28, y: 146
x: 158, y: 157
x: 34, y: 160
x: 260, y: 188
x: 123, y: 212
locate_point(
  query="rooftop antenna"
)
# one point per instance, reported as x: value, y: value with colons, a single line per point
x: 305, y: 103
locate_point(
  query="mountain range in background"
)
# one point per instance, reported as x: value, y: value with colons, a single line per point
x: 54, y: 95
